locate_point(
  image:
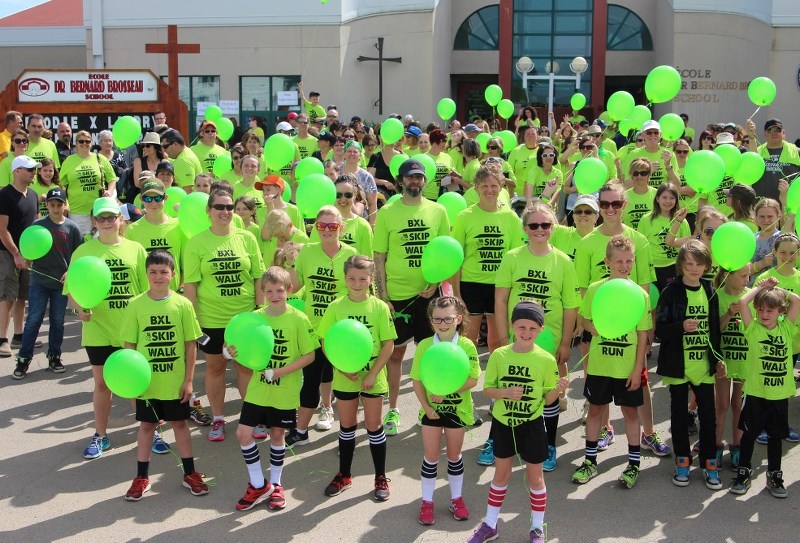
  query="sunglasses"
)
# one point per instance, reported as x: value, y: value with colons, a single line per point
x: 616, y: 204
x: 652, y: 132
x: 587, y: 147
x: 585, y: 211
x: 537, y: 225
x: 709, y: 231
x: 349, y: 137
x: 548, y: 155
x: 344, y: 195
x: 107, y: 218
x: 708, y: 138
x: 639, y: 141
x: 209, y: 131
x: 440, y: 320
x: 220, y: 207
x: 640, y: 173
x: 745, y: 142
x: 681, y: 152
x: 329, y: 226
x: 774, y: 130
x: 20, y: 141
x: 165, y: 145
x: 84, y: 142
x: 492, y: 147
x: 29, y: 170
x: 156, y: 198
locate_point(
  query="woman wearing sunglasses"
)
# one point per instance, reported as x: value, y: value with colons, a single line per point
x: 222, y: 278
x: 494, y: 151
x: 150, y: 154
x: 19, y: 146
x: 352, y: 166
x: 235, y: 174
x: 640, y: 195
x: 543, y: 179
x: 706, y: 141
x: 682, y: 150
x: 357, y: 231
x: 444, y: 167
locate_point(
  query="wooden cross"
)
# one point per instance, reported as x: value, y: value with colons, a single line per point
x: 380, y: 59
x: 172, y: 49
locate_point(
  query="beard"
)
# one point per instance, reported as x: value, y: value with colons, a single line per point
x: 412, y: 191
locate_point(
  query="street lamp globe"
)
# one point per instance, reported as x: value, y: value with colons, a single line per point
x: 552, y: 67
x: 524, y: 65
x: 578, y: 65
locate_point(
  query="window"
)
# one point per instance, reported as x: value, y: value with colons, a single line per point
x: 479, y: 31
x: 258, y: 97
x: 626, y: 31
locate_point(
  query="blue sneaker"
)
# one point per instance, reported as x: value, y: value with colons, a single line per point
x: 486, y: 457
x: 793, y: 436
x: 159, y: 445
x: 606, y: 438
x: 96, y: 446
x: 762, y: 438
x: 550, y: 463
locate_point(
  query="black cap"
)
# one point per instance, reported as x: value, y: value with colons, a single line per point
x: 56, y: 194
x: 528, y: 310
x: 411, y: 167
x: 773, y: 122
x: 165, y: 165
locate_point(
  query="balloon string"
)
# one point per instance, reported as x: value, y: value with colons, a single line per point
x: 750, y: 118
x: 44, y: 274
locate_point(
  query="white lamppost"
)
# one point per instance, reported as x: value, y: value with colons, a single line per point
x: 525, y: 66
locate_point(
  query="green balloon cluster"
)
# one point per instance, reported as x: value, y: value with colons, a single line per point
x: 640, y: 115
x: 313, y: 192
x: 704, y: 171
x: 253, y: 338
x: 127, y: 373
x: 663, y: 83
x: 224, y: 128
x: 392, y: 131
x: 454, y: 203
x: 672, y: 127
x: 394, y: 164
x: 762, y: 91
x: 751, y: 168
x: 731, y: 156
x: 193, y: 214
x: 505, y: 108
x: 446, y: 108
x: 617, y: 307
x: 444, y: 368
x: 213, y: 114
x: 590, y: 174
x: 222, y: 165
x: 442, y: 257
x: 307, y: 166
x: 493, y: 95
x: 577, y: 102
x: 279, y: 150
x: 175, y: 196
x: 126, y: 131
x: 348, y: 345
x: 733, y: 245
x: 88, y: 281
x: 35, y: 242
x: 620, y: 105
x: 546, y: 340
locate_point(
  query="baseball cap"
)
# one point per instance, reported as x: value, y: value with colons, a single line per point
x: 23, y: 161
x: 146, y: 174
x: 411, y: 167
x: 413, y: 131
x: 56, y: 194
x: 587, y: 200
x: 292, y: 115
x: 153, y: 185
x: 206, y: 124
x: 271, y: 179
x: 105, y: 205
x: 594, y: 129
x: 651, y: 125
x: 165, y: 165
x: 724, y: 137
x: 472, y: 128
x: 601, y: 123
x: 283, y: 126
x: 773, y: 122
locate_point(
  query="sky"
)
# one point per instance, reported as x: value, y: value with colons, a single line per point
x: 7, y: 7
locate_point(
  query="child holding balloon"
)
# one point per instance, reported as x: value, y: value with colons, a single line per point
x: 447, y: 413
x: 151, y: 317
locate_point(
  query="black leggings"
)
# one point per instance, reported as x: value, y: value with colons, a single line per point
x: 706, y: 411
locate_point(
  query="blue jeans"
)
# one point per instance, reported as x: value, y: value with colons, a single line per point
x: 38, y: 297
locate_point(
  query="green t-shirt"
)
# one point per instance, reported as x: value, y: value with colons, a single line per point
x: 591, y: 254
x: 695, y: 344
x: 402, y: 232
x: 307, y: 146
x: 638, y: 206
x: 565, y: 239
x: 225, y: 269
x: 770, y: 366
x: 486, y: 237
x: 655, y: 231
x: 81, y: 177
x: 232, y: 177
x: 167, y: 236
x: 269, y: 247
x: 42, y: 149
x: 457, y: 158
x: 322, y: 277
x: 357, y: 234
x: 41, y: 191
x: 689, y: 202
x: 535, y: 370
x: 790, y: 283
x: 128, y: 278
x: 375, y: 315
x: 208, y: 154
x: 537, y: 177
x: 240, y: 190
x: 521, y: 159
x: 457, y: 403
x: 733, y: 343
x: 160, y: 330
x: 294, y: 338
x: 613, y: 357
x: 718, y: 199
x: 471, y: 168
x: 444, y: 165
x: 186, y: 166
x: 659, y: 174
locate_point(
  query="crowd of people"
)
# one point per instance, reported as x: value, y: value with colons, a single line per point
x: 536, y: 252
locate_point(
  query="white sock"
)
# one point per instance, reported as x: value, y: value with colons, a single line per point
x: 455, y: 477
x: 253, y: 462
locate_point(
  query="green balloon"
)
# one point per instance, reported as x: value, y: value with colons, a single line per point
x: 429, y: 164
x: 762, y: 91
x: 308, y: 166
x: 175, y: 196
x: 253, y: 338
x: 313, y: 192
x: 444, y: 368
x: 640, y: 115
x: 394, y: 164
x: 793, y: 198
x: 88, y: 281
x: 224, y: 128
x: 493, y: 95
x: 348, y: 345
x: 590, y: 174
x: 620, y: 105
x: 126, y: 131
x: 733, y: 245
x: 442, y: 257
x: 625, y: 127
x: 393, y: 198
x: 731, y: 156
x: 446, y: 108
x: 605, y: 117
x: 546, y: 340
x: 454, y: 203
x: 127, y: 373
x: 279, y: 150
x: 577, y: 102
x: 704, y: 171
x: 663, y: 83
x: 213, y: 113
x: 505, y: 108
x: 483, y: 140
x: 617, y: 307
x: 35, y: 242
x: 392, y: 131
x: 654, y: 296
x: 672, y: 127
x: 751, y: 168
x: 193, y: 214
x: 297, y: 303
x: 509, y: 140
x: 222, y: 165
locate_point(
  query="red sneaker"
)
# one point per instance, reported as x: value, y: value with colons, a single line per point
x: 426, y: 517
x: 381, y: 488
x: 276, y: 500
x: 253, y: 496
x: 139, y: 486
x: 194, y: 482
x: 459, y: 510
x: 339, y: 484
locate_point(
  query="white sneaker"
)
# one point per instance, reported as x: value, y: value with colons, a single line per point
x: 325, y: 420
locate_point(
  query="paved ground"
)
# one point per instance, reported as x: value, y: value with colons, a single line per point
x: 48, y: 492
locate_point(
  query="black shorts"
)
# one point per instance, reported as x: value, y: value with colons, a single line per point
x: 252, y: 415
x: 529, y: 440
x: 99, y: 355
x: 759, y: 414
x: 601, y: 390
x: 478, y: 297
x: 155, y: 410
x: 445, y: 420
x: 414, y: 322
x: 216, y: 339
x: 345, y: 396
x: 318, y: 372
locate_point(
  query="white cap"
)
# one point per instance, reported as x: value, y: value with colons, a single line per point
x: 587, y: 200
x: 23, y: 161
x: 724, y: 137
x: 650, y: 125
x: 283, y: 127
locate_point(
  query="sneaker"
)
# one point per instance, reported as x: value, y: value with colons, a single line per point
x: 253, y: 496
x: 681, y: 475
x: 54, y: 363
x: 741, y: 484
x: 606, y: 438
x: 459, y: 510
x: 537, y: 535
x: 718, y: 455
x: 486, y: 456
x: 426, y: 517
x: 629, y: 476
x: 585, y: 473
x: 735, y: 454
x: 195, y: 483
x: 260, y: 431
x: 775, y: 484
x: 550, y: 463
x: 655, y: 444
x: 295, y: 438
x: 339, y: 484
x: 17, y: 343
x: 325, y: 420
x: 381, y: 488
x: 159, y: 445
x: 585, y: 414
x: 217, y: 432
x: 22, y: 368
x: 199, y: 415
x: 139, y: 486
x: 483, y: 533
x: 711, y: 474
x: 563, y: 404
x: 276, y: 499
x: 390, y: 422
x: 793, y: 436
x: 762, y: 438
x: 692, y: 420
x: 5, y: 350
x: 96, y: 447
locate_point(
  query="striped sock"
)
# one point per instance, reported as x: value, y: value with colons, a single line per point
x: 496, y: 497
x: 377, y: 446
x: 428, y: 479
x: 455, y: 476
x: 635, y: 455
x: 591, y: 451
x: 276, y: 456
x: 253, y: 461
x: 538, y: 503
